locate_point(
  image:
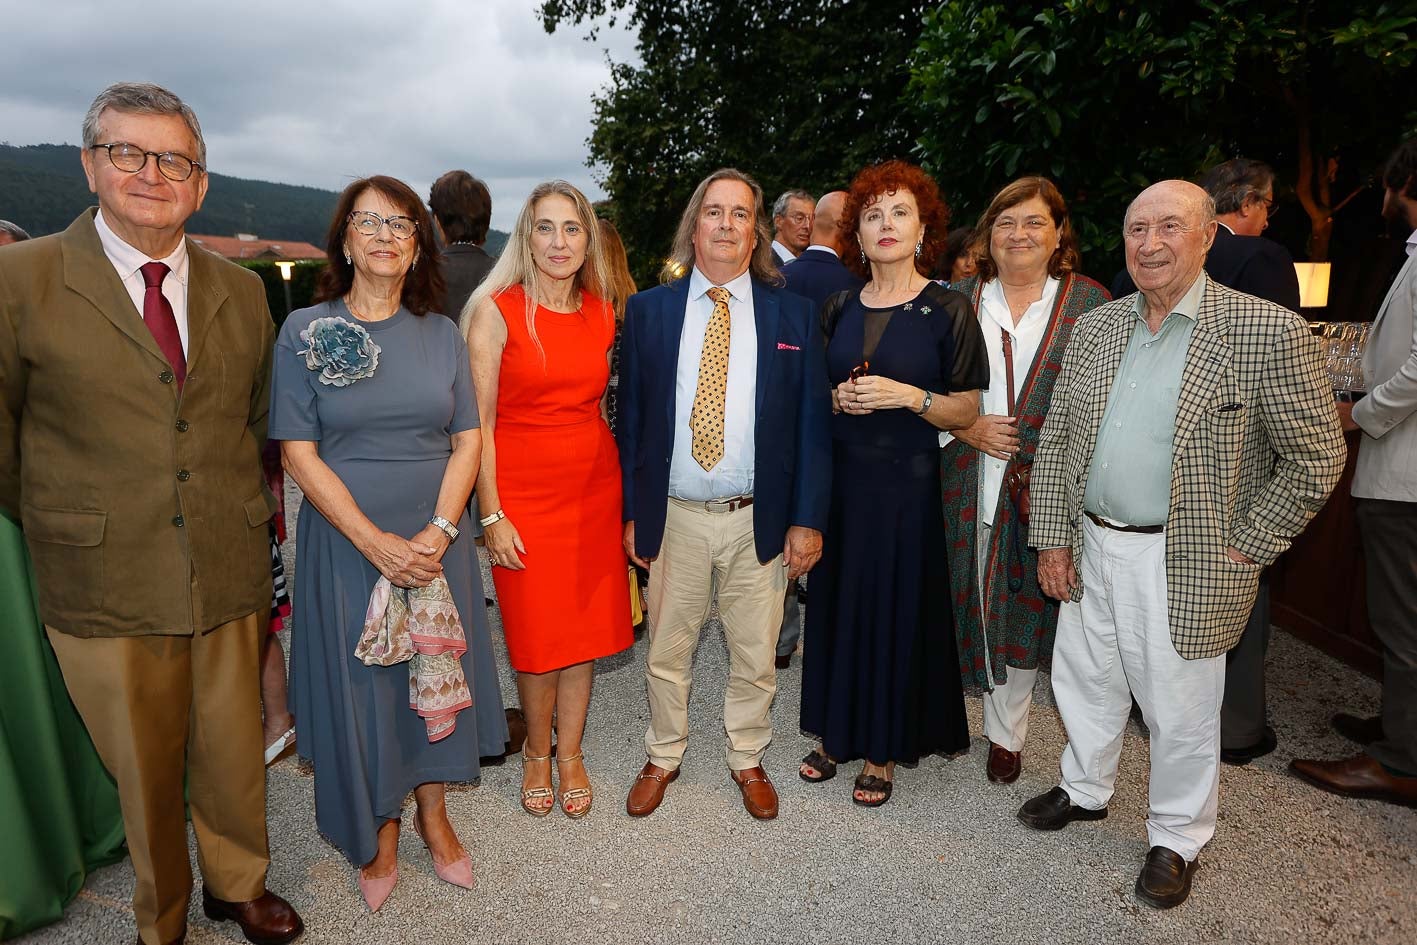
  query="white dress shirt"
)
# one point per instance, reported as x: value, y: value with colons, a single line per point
x: 1412, y: 244
x: 825, y: 249
x: 1027, y: 335
x: 129, y: 263
x: 733, y: 474
x: 785, y: 254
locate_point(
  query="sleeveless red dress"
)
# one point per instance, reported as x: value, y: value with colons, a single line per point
x: 558, y: 476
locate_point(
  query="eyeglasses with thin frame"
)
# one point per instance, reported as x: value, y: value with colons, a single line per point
x: 131, y: 159
x: 369, y: 223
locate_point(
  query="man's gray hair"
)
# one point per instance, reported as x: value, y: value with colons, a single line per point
x: 14, y: 231
x: 142, y: 98
x: 1236, y: 182
x: 779, y: 206
x: 682, y: 259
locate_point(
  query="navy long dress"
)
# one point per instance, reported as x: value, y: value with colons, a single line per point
x: 388, y: 438
x: 880, y: 676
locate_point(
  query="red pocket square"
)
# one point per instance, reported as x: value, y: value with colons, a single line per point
x: 783, y: 346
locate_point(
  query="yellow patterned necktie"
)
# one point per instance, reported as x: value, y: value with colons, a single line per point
x: 706, y: 419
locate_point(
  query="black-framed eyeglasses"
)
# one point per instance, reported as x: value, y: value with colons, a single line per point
x: 131, y: 159
x: 368, y: 223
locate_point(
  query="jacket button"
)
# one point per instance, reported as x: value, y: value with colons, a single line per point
x: 177, y: 520
x: 183, y: 475
x: 182, y: 426
x: 166, y: 377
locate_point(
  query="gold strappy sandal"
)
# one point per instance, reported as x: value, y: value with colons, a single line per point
x: 575, y: 794
x: 537, y: 793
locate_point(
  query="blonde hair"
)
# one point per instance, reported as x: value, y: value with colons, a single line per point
x: 516, y: 265
x: 620, y: 285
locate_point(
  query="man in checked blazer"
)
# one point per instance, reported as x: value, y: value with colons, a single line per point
x: 1192, y: 435
x: 136, y: 371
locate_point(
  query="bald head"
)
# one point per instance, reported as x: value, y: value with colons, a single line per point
x: 1181, y: 195
x: 1168, y: 230
x: 826, y: 226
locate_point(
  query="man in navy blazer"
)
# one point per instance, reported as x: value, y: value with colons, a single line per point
x: 736, y: 503
x: 819, y: 271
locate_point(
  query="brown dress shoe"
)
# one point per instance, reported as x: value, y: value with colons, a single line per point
x: 265, y: 920
x: 648, y: 789
x: 1360, y: 776
x: 1165, y: 878
x: 1004, y: 765
x: 759, y: 796
x: 516, y: 730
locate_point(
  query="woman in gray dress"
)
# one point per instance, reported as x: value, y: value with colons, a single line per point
x: 373, y: 401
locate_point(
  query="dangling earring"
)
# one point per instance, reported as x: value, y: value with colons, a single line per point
x: 415, y: 264
x: 347, y: 259
x: 919, y: 246
x: 863, y: 256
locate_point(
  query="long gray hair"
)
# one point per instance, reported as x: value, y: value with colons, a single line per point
x: 681, y: 256
x: 517, y: 266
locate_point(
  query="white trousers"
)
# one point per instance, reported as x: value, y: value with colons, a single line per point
x: 1005, y: 706
x: 1115, y: 644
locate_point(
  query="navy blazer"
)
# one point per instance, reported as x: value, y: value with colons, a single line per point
x: 818, y: 274
x: 792, y: 441
x: 1249, y: 264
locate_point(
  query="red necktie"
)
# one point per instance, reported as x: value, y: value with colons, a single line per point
x: 157, y: 315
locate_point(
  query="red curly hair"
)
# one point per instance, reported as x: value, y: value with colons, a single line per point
x: 891, y: 177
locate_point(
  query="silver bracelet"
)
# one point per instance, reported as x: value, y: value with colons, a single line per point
x: 492, y: 519
x: 445, y: 526
x: 925, y: 405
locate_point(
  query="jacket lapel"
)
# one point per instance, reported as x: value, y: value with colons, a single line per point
x: 670, y: 325
x: 205, y: 294
x: 765, y: 318
x: 1106, y: 362
x: 88, y: 272
x: 1207, y: 360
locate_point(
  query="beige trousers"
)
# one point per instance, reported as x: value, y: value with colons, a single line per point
x: 159, y: 707
x: 704, y: 553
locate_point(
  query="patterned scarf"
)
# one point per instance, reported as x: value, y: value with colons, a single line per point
x: 420, y: 625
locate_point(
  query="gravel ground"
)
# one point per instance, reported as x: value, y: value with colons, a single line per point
x: 945, y: 861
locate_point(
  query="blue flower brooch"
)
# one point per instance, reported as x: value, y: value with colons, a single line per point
x: 341, y: 351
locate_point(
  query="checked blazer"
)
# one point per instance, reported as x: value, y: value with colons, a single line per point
x: 1257, y: 449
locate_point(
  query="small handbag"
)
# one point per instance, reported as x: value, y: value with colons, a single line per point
x: 1019, y: 473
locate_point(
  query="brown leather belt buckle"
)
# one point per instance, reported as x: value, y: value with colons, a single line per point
x: 730, y: 504
x: 1130, y: 529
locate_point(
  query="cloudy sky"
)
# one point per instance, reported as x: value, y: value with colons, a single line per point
x: 317, y: 93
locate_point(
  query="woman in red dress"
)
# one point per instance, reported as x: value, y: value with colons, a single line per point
x: 540, y: 333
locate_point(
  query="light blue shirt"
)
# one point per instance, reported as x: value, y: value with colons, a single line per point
x: 1130, y: 478
x: 733, y: 474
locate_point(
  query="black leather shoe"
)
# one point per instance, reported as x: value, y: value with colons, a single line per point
x: 1055, y: 810
x: 1165, y: 878
x: 1243, y: 756
x: 783, y: 660
x: 1358, y: 729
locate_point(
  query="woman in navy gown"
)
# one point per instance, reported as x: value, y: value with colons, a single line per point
x: 880, y: 674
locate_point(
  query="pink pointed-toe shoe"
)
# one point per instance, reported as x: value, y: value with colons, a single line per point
x: 376, y: 889
x: 459, y: 873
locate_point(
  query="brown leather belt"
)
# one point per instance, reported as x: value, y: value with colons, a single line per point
x: 1134, y: 529
x: 731, y: 504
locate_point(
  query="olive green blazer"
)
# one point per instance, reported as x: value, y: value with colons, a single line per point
x: 144, y: 507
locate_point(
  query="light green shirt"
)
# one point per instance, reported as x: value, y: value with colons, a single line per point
x: 1130, y: 478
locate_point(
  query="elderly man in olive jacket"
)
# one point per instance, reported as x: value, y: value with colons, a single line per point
x: 135, y: 369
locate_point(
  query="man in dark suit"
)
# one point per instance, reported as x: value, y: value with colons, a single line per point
x: 791, y: 226
x: 462, y: 210
x: 136, y: 373
x: 725, y: 453
x: 1243, y: 191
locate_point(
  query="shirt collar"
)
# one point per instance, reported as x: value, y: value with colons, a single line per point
x: 825, y: 249
x: 1412, y: 244
x: 786, y: 254
x: 1189, y: 305
x: 741, y: 288
x: 128, y: 259
x: 1226, y: 226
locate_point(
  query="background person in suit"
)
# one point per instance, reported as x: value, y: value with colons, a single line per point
x: 1243, y: 192
x: 1385, y: 486
x: 136, y: 374
x: 11, y: 233
x: 791, y: 224
x: 462, y: 212
x: 725, y: 455
x: 1190, y: 438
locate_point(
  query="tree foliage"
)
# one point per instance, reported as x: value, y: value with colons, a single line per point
x: 798, y: 93
x: 1106, y: 96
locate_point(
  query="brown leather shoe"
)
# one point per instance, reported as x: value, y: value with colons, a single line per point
x: 1360, y: 776
x: 516, y: 730
x: 1165, y: 878
x: 648, y: 789
x: 1004, y: 765
x: 759, y: 796
x: 265, y: 920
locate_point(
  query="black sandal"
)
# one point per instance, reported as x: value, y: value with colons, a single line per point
x: 822, y: 763
x: 874, y: 785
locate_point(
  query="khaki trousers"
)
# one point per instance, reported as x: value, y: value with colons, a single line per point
x: 704, y: 553
x: 161, y: 706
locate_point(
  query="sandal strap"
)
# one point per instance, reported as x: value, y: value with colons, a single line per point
x: 578, y: 756
x: 526, y: 757
x: 869, y: 782
x: 816, y: 759
x: 574, y: 794
x: 537, y: 792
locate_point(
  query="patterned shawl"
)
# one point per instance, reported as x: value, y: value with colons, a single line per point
x: 420, y: 625
x: 1011, y: 623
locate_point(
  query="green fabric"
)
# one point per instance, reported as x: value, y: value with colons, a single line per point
x: 1130, y: 478
x: 59, y: 815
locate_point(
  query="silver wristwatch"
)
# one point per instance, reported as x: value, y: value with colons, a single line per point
x: 925, y: 404
x: 445, y: 526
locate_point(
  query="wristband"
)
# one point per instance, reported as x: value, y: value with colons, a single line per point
x: 492, y: 519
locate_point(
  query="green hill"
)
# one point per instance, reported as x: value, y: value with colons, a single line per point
x: 42, y: 188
